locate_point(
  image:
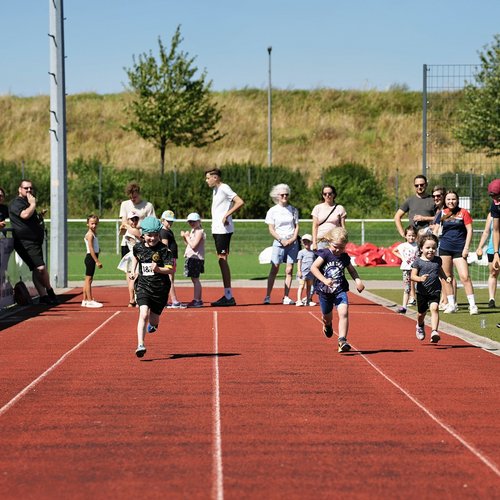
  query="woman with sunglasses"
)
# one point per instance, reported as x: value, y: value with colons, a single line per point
x: 326, y: 216
x: 283, y: 223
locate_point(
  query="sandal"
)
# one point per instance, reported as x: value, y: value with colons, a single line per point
x: 132, y: 304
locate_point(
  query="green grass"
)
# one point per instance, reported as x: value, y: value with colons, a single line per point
x: 462, y: 318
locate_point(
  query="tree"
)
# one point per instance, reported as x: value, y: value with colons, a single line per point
x: 170, y: 105
x: 478, y: 126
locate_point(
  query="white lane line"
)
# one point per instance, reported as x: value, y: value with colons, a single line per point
x: 489, y: 463
x: 35, y: 382
x: 218, y: 476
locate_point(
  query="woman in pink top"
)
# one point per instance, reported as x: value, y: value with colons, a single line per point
x: 326, y: 216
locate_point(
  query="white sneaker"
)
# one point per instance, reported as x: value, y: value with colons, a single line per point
x: 299, y: 303
x: 473, y: 310
x: 442, y: 306
x: 311, y: 303
x: 288, y: 301
x: 267, y: 300
x: 450, y: 309
x: 420, y: 332
x: 84, y: 303
x: 94, y: 304
x: 412, y: 302
x: 304, y: 301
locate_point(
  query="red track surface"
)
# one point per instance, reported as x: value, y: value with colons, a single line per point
x: 244, y: 402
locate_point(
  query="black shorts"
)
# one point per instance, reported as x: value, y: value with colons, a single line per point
x: 125, y: 250
x: 89, y: 265
x: 448, y: 253
x: 31, y: 252
x: 156, y: 303
x: 425, y: 300
x: 222, y: 243
x: 194, y: 267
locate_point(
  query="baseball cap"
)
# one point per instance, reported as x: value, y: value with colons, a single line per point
x: 494, y: 187
x: 168, y: 215
x: 193, y: 216
x: 132, y: 214
x: 150, y: 225
x: 307, y: 237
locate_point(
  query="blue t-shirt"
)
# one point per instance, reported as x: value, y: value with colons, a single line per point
x: 333, y: 267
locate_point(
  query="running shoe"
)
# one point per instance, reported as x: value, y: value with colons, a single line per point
x: 491, y: 304
x: 93, y: 304
x: 442, y: 306
x: 176, y: 305
x: 140, y: 351
x: 343, y: 345
x: 84, y: 303
x: 420, y: 332
x: 195, y: 303
x: 223, y: 302
x: 412, y: 302
x: 312, y: 304
x: 451, y: 309
x: 402, y: 310
x: 435, y: 337
x: 328, y: 330
x: 267, y: 300
x: 288, y: 301
x: 299, y: 303
x: 152, y: 328
x: 473, y: 310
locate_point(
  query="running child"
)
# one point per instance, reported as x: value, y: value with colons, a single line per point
x: 152, y: 265
x: 168, y: 238
x: 91, y: 261
x: 305, y: 258
x: 407, y: 252
x: 332, y: 286
x: 194, y: 264
x: 426, y: 271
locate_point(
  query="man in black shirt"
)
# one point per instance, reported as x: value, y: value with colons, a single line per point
x: 29, y: 232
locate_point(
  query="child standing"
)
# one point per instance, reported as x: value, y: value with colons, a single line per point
x: 305, y: 258
x: 91, y: 261
x: 194, y: 264
x: 332, y: 286
x: 131, y: 237
x: 151, y: 264
x: 167, y: 237
x: 407, y: 252
x: 426, y: 271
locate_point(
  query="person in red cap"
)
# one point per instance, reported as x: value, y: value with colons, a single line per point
x: 494, y: 192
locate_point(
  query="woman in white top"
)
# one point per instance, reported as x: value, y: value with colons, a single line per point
x: 326, y: 216
x: 283, y: 222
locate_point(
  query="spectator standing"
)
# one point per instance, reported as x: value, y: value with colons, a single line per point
x: 454, y: 244
x: 493, y: 273
x: 283, y: 223
x: 326, y: 216
x: 407, y: 252
x: 420, y: 208
x: 168, y: 238
x: 131, y: 237
x: 91, y: 261
x: 494, y: 192
x: 225, y: 202
x: 141, y: 207
x: 29, y: 233
x: 194, y: 264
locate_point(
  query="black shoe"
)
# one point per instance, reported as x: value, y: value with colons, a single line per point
x: 140, y: 351
x: 45, y: 300
x: 491, y: 304
x: 343, y: 345
x: 328, y: 330
x: 223, y: 302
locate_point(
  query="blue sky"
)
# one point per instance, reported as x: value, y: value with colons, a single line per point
x: 348, y: 44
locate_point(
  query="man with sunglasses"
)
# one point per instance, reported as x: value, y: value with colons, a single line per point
x: 420, y: 207
x: 29, y: 232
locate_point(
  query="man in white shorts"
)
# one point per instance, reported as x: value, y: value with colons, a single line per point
x: 225, y: 202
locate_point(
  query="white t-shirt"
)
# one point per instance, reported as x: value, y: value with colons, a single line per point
x: 321, y: 212
x: 143, y: 209
x: 222, y: 200
x: 409, y: 253
x: 284, y: 219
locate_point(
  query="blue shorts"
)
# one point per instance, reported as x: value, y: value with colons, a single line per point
x: 283, y: 254
x: 328, y: 300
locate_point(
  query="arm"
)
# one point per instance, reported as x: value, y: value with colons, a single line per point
x: 355, y: 276
x: 496, y: 242
x: 28, y: 211
x: 484, y: 236
x: 397, y: 220
x: 90, y: 239
x: 468, y: 240
x: 415, y: 277
x: 317, y: 273
x: 237, y: 204
x: 315, y: 226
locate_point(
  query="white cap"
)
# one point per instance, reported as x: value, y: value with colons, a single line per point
x: 193, y: 217
x: 307, y: 236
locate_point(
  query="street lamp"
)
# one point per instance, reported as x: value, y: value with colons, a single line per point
x: 269, y: 115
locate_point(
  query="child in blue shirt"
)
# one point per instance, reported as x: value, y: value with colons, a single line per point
x: 305, y: 258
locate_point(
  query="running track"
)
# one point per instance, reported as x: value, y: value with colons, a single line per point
x: 244, y: 402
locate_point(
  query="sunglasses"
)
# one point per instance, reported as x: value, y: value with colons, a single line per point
x: 419, y: 185
x: 437, y: 195
x: 330, y: 193
x: 284, y: 194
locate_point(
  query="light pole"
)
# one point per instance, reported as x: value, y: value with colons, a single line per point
x: 269, y: 115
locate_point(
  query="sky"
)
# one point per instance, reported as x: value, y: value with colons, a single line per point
x: 341, y: 44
